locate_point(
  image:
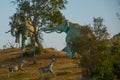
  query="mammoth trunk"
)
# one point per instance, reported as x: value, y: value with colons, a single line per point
x: 53, y: 29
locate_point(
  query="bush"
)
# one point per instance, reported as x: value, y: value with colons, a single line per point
x: 115, y: 53
x: 34, y: 60
x: 102, y: 62
x: 38, y: 50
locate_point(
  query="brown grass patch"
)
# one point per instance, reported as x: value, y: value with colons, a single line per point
x: 64, y: 68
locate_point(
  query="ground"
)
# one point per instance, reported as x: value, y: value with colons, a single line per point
x: 64, y: 68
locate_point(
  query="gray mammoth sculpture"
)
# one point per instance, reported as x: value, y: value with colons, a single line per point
x: 21, y: 25
x: 74, y: 33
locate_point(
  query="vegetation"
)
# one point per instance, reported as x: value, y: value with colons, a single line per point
x: 99, y: 55
x: 40, y: 13
x: 64, y: 68
x: 99, y: 29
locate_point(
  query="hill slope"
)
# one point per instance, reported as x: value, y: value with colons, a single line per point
x: 64, y: 68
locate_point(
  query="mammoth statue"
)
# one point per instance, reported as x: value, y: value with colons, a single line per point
x: 74, y: 32
x: 21, y: 25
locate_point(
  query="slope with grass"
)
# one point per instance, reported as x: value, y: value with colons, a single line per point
x: 65, y: 68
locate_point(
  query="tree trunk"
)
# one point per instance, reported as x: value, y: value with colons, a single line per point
x: 36, y: 34
x: 38, y: 43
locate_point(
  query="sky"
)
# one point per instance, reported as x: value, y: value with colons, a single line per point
x: 77, y: 11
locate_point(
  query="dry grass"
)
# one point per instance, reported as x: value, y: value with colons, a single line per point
x: 64, y: 68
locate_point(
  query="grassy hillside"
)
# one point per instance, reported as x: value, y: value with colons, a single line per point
x: 65, y: 68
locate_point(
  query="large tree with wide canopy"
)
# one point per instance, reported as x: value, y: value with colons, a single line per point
x: 40, y: 13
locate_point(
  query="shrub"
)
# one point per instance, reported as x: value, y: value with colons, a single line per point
x: 102, y: 62
x: 38, y: 50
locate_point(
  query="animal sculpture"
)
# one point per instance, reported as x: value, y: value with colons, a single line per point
x: 18, y: 67
x: 21, y: 25
x: 74, y: 32
x: 47, y: 68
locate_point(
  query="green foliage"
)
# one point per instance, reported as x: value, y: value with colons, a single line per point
x: 40, y: 13
x: 115, y: 52
x: 102, y: 62
x: 116, y: 47
x: 100, y: 57
x: 82, y: 43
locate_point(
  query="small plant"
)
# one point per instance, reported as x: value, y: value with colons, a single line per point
x: 34, y: 60
x: 38, y: 50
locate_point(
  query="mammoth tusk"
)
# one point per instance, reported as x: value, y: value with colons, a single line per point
x: 47, y: 31
x: 8, y: 31
x: 59, y: 31
x: 68, y: 23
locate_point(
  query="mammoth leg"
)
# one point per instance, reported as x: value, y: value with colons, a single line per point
x: 17, y: 41
x: 73, y: 53
x: 68, y: 51
x: 23, y: 43
x: 32, y: 41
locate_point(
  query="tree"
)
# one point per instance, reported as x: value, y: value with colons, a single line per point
x: 84, y: 41
x: 99, y: 29
x: 118, y: 13
x: 41, y: 13
x: 117, y: 35
x: 102, y: 61
x: 96, y: 59
x: 115, y: 51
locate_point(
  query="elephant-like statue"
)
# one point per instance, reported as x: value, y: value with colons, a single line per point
x: 74, y: 32
x: 21, y: 25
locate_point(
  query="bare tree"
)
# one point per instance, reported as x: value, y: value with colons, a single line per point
x: 99, y: 29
